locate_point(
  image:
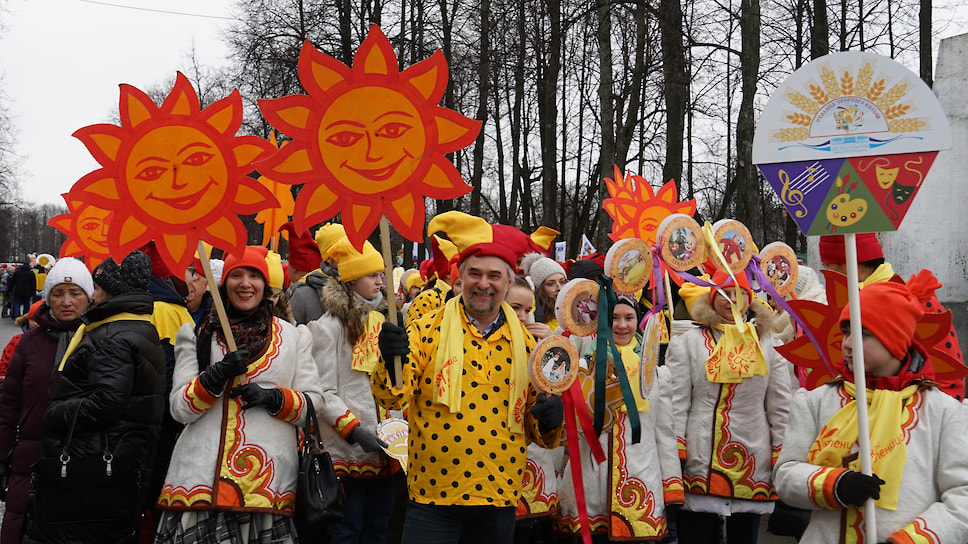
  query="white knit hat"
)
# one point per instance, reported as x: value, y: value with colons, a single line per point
x: 69, y: 270
x: 542, y: 269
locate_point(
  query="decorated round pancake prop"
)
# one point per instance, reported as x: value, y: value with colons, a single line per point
x: 651, y: 338
x: 576, y: 307
x: 614, y: 401
x: 735, y: 243
x: 681, y: 244
x: 46, y: 260
x: 628, y: 263
x: 553, y: 366
x: 779, y: 264
x: 394, y: 431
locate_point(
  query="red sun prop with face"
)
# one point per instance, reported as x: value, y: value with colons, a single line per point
x: 86, y: 227
x: 175, y: 174
x: 369, y: 140
x: 636, y: 209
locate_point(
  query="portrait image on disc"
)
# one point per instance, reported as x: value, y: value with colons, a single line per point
x: 553, y: 366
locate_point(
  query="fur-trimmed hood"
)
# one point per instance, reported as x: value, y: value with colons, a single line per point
x: 336, y: 297
x: 705, y: 315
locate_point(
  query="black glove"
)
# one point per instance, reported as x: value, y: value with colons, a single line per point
x: 4, y: 480
x: 549, y: 412
x: 235, y: 363
x: 393, y: 341
x: 367, y: 440
x: 853, y: 488
x: 254, y: 395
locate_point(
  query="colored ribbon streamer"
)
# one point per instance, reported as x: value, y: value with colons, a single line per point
x: 571, y: 400
x: 764, y: 282
x: 605, y: 344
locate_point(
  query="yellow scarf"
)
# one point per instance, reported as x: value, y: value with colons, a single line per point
x: 737, y: 354
x: 366, y: 352
x: 632, y: 362
x: 888, y: 446
x: 449, y: 363
x: 884, y: 272
x: 79, y: 333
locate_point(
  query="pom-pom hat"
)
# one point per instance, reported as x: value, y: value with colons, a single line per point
x: 133, y: 275
x: 69, y: 270
x: 304, y: 253
x: 833, y: 250
x: 544, y: 268
x: 353, y: 264
x: 890, y: 311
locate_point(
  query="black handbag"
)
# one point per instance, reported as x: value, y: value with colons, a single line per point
x: 319, y: 496
x: 72, y: 488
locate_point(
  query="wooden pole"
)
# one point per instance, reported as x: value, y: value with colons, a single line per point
x: 860, y: 381
x: 391, y: 295
x: 216, y: 297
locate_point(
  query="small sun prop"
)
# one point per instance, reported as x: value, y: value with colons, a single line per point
x: 368, y: 141
x: 273, y: 219
x: 823, y: 321
x: 86, y: 227
x: 637, y: 210
x: 176, y: 174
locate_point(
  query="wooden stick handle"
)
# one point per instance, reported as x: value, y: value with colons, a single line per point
x: 216, y: 297
x: 391, y: 293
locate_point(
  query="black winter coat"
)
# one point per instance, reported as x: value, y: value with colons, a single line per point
x: 22, y: 405
x: 23, y: 282
x: 115, y: 382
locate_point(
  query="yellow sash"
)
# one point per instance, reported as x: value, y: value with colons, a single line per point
x: 632, y: 362
x: 737, y: 355
x: 449, y: 363
x: 888, y: 446
x: 366, y: 352
x: 79, y: 334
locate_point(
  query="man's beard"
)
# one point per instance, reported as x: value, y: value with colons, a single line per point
x: 485, y: 309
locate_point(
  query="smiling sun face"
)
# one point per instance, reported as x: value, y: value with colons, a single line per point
x: 369, y: 140
x: 176, y: 174
x: 636, y: 210
x: 86, y: 228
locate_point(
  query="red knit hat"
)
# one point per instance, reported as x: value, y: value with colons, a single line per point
x: 832, y: 248
x: 890, y: 311
x: 723, y: 278
x: 303, y: 251
x: 252, y: 257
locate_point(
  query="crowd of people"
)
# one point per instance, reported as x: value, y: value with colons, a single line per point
x: 193, y: 398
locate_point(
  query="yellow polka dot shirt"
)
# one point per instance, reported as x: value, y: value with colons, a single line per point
x: 470, y: 457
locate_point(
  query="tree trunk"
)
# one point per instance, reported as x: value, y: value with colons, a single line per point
x: 820, y: 31
x: 676, y: 86
x: 548, y: 115
x: 483, y: 82
x: 746, y: 173
x: 924, y: 30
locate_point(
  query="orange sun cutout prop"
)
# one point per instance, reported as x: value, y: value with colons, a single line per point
x: 369, y: 140
x: 273, y: 219
x: 86, y: 227
x: 175, y: 174
x: 636, y: 210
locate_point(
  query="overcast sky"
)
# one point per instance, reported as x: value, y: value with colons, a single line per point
x: 62, y: 60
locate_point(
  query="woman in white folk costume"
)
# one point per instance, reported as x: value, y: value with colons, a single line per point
x: 233, y: 471
x: 731, y: 398
x: 628, y: 496
x: 345, y: 348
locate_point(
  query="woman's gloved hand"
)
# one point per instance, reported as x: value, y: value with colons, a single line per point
x: 366, y: 439
x: 235, y: 363
x: 254, y: 395
x: 853, y: 488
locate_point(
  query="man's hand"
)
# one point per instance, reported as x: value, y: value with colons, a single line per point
x: 549, y: 411
x: 394, y: 342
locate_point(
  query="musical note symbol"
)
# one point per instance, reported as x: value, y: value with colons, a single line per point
x: 810, y: 171
x: 793, y: 197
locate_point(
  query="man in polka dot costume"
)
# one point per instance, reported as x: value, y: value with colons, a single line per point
x: 872, y: 268
x: 471, y: 412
